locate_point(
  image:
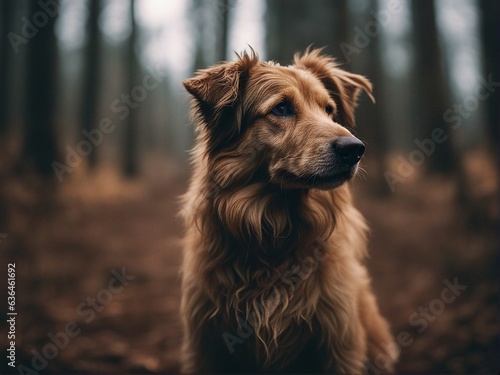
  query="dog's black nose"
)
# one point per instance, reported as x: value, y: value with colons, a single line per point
x: 349, y: 149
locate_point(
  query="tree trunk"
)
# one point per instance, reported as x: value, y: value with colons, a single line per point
x: 374, y: 121
x: 490, y: 34
x: 293, y: 26
x: 40, y: 147
x: 6, y: 25
x: 90, y: 100
x: 430, y: 90
x: 131, y: 157
x: 223, y: 31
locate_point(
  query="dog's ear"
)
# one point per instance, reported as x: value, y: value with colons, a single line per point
x: 215, y: 87
x: 344, y: 87
x: 216, y: 91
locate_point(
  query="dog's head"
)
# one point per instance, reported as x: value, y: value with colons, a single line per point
x: 285, y: 125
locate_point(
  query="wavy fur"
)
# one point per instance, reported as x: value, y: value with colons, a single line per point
x: 273, y: 277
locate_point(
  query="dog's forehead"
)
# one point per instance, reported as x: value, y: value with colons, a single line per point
x: 303, y: 80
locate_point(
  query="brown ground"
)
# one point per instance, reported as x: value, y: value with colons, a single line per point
x: 65, y: 250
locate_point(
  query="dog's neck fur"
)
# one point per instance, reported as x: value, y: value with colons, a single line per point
x: 265, y: 222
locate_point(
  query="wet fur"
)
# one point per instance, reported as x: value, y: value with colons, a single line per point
x: 273, y: 254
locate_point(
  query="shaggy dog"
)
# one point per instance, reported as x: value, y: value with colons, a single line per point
x: 273, y: 277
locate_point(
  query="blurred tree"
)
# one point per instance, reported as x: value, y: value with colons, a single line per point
x: 223, y: 31
x: 6, y: 16
x: 372, y: 119
x: 210, y: 21
x: 6, y: 25
x: 90, y: 98
x: 293, y: 26
x: 131, y: 157
x: 199, y: 25
x: 431, y: 98
x: 430, y: 90
x: 490, y: 34
x: 40, y: 146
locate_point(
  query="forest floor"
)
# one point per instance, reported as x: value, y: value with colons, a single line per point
x: 68, y: 249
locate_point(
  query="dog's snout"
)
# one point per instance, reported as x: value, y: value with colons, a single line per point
x: 349, y: 149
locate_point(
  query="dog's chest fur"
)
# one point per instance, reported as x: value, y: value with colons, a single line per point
x: 268, y: 291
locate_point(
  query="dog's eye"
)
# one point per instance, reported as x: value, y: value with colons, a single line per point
x: 283, y: 109
x: 329, y: 109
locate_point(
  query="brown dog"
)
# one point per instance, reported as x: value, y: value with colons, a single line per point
x: 273, y: 277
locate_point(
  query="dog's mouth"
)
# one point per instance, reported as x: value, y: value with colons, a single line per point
x: 323, y: 181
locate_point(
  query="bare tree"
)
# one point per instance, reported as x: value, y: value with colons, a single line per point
x: 6, y: 18
x: 131, y: 157
x: 430, y: 89
x: 372, y: 122
x: 90, y: 99
x: 223, y: 32
x: 293, y: 26
x: 40, y: 147
x: 210, y: 21
x: 490, y: 35
x: 199, y: 25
